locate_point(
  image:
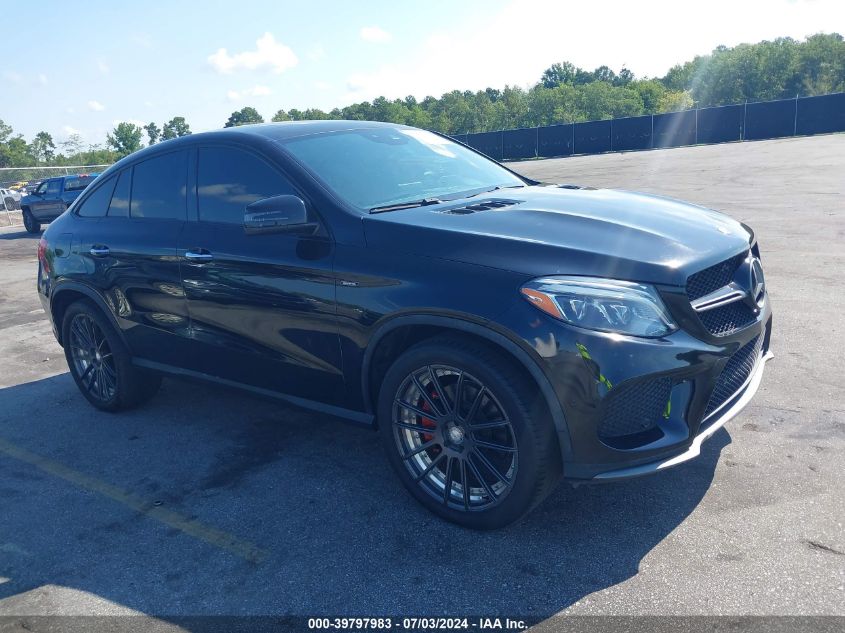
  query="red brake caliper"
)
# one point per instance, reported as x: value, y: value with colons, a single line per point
x: 428, y: 422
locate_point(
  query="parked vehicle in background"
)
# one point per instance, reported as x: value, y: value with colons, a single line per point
x: 500, y: 333
x: 11, y: 199
x: 52, y: 198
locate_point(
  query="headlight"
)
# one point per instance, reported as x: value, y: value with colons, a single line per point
x: 606, y: 305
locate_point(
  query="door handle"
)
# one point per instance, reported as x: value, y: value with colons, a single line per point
x: 99, y: 251
x: 199, y: 255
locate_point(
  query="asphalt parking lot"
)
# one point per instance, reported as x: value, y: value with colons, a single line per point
x: 211, y: 502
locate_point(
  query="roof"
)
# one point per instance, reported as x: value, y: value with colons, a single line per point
x: 291, y: 129
x: 271, y: 132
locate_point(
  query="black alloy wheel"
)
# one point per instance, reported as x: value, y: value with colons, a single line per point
x: 454, y: 437
x: 92, y: 358
x: 99, y: 362
x: 468, y: 432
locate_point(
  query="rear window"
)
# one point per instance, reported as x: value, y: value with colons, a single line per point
x: 78, y: 183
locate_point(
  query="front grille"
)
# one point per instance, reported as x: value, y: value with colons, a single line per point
x: 635, y: 408
x: 728, y: 318
x: 706, y: 281
x: 735, y: 373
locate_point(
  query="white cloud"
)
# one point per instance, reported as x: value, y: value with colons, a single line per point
x: 69, y: 130
x: 316, y: 53
x: 42, y: 79
x: 96, y: 106
x: 103, y: 67
x: 322, y: 85
x: 255, y: 91
x: 268, y: 53
x: 11, y: 75
x: 375, y: 34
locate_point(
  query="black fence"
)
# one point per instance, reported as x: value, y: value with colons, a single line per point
x: 801, y: 116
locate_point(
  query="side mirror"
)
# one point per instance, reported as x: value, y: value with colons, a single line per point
x: 279, y: 214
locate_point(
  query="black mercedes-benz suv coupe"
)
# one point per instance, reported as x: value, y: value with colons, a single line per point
x: 500, y: 334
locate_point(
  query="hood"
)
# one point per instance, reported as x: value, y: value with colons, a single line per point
x: 550, y: 230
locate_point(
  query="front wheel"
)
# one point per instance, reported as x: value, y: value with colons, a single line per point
x: 100, y: 363
x: 30, y: 223
x: 467, y: 433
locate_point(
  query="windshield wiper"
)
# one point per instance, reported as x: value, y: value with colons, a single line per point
x: 406, y: 205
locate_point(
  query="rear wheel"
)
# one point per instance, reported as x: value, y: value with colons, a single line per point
x: 100, y: 363
x: 30, y: 223
x: 467, y: 433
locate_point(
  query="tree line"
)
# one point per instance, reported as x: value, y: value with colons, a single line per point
x: 565, y: 93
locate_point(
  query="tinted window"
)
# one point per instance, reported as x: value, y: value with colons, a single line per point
x: 78, y: 183
x: 119, y: 207
x: 159, y: 187
x: 229, y: 179
x: 96, y: 205
x: 53, y: 187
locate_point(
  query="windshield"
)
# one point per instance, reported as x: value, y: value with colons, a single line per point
x: 385, y: 166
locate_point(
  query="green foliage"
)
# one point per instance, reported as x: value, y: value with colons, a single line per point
x: 153, y: 132
x: 71, y: 146
x: 15, y: 152
x: 5, y: 132
x: 566, y: 93
x: 43, y: 147
x: 780, y: 69
x: 174, y: 128
x: 280, y: 116
x: 244, y: 116
x: 125, y: 138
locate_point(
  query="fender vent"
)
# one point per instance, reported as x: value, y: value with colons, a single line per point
x: 485, y: 205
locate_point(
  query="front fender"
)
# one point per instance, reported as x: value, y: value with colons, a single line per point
x: 498, y: 336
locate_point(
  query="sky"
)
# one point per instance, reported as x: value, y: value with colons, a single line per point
x: 84, y: 67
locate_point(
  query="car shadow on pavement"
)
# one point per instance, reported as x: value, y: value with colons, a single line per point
x: 18, y: 235
x: 208, y: 502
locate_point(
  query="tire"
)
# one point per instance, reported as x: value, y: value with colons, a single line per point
x: 30, y: 223
x: 431, y: 457
x: 99, y: 362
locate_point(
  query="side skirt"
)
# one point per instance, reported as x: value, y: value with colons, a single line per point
x: 357, y: 417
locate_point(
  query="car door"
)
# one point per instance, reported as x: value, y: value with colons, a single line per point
x: 262, y: 306
x: 53, y: 204
x: 39, y: 205
x: 131, y: 249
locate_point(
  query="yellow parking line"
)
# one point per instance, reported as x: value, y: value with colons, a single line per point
x: 210, y: 535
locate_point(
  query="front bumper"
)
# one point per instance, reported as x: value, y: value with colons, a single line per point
x: 730, y: 409
x: 633, y: 406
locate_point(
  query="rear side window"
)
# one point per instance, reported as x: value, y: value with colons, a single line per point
x: 78, y: 183
x: 159, y: 188
x: 96, y: 205
x: 119, y: 207
x: 229, y: 179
